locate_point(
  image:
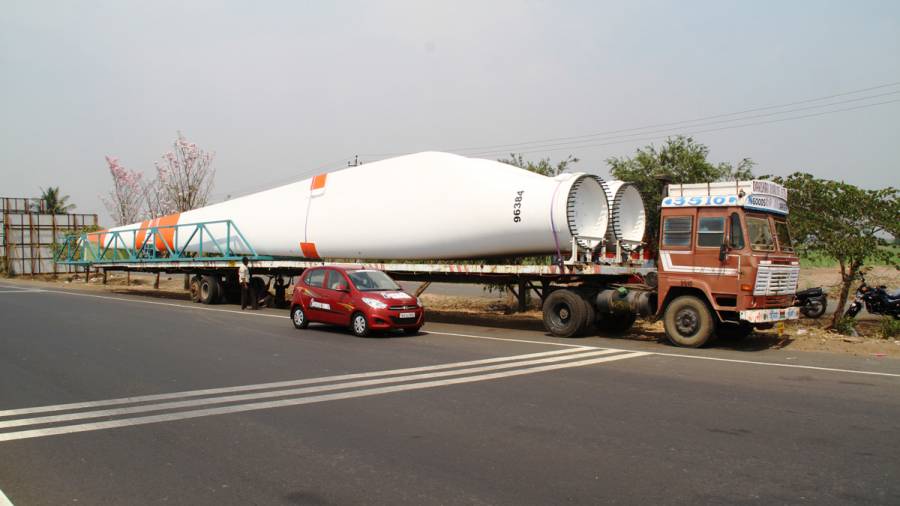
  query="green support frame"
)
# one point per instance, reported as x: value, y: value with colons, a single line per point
x: 189, y: 242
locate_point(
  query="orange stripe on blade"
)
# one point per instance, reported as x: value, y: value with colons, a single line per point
x: 166, y: 235
x: 318, y: 182
x: 309, y: 250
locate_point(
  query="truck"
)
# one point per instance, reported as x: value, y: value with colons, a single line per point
x: 724, y: 264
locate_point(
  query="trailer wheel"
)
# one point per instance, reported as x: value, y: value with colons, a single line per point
x: 195, y: 289
x: 688, y: 322
x: 209, y: 290
x: 359, y: 325
x: 564, y: 313
x: 734, y: 331
x: 618, y: 323
x: 588, y: 327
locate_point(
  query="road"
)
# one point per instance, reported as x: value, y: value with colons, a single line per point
x: 110, y: 399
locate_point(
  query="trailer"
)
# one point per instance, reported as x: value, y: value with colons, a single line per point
x: 725, y: 263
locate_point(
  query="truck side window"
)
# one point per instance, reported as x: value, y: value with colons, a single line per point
x: 737, y: 233
x: 711, y: 232
x: 316, y: 278
x: 677, y: 231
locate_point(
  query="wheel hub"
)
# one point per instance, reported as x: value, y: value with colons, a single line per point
x: 687, y: 322
x: 298, y: 317
x: 564, y: 313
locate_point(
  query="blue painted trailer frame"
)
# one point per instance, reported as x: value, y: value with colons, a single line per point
x: 103, y: 247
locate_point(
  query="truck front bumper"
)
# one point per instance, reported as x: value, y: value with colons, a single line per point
x: 770, y: 315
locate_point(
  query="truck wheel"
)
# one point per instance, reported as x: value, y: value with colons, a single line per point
x: 688, y: 322
x: 209, y: 290
x: 298, y: 317
x: 195, y: 289
x: 734, y: 331
x: 564, y: 313
x: 359, y: 325
x: 616, y: 323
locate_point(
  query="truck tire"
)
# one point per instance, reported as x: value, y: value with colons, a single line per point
x: 616, y: 324
x: 734, y: 331
x: 688, y: 322
x: 564, y: 313
x: 588, y: 327
x: 195, y: 288
x: 209, y: 290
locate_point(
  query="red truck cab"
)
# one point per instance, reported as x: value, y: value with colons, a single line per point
x: 726, y: 263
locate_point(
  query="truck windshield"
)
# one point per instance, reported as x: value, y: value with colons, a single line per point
x: 784, y: 237
x: 368, y: 281
x: 760, y: 234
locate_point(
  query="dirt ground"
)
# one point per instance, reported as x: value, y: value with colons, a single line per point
x: 802, y: 335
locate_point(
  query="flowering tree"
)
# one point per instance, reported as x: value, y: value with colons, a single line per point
x: 124, y: 201
x: 185, y: 176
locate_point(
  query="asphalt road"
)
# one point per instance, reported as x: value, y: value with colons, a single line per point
x: 108, y: 399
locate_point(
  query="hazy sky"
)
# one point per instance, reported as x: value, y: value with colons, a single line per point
x: 279, y: 89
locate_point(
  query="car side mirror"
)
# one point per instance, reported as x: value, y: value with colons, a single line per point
x: 723, y: 252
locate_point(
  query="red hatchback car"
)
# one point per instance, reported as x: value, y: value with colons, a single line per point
x: 362, y: 299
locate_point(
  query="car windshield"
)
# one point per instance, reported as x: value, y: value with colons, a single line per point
x: 784, y: 237
x: 760, y: 234
x: 368, y: 281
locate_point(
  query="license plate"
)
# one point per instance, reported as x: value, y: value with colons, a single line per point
x: 407, y: 315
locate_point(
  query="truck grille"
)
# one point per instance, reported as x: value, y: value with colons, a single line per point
x: 776, y: 279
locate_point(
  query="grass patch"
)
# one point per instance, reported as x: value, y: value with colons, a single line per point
x: 813, y: 259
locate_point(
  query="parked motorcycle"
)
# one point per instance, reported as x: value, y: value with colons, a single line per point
x: 876, y: 299
x: 812, y: 302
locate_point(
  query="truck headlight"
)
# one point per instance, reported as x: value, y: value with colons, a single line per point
x: 374, y: 303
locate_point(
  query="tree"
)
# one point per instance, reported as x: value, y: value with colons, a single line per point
x: 55, y: 203
x: 680, y: 160
x: 185, y: 176
x: 124, y: 201
x: 542, y: 167
x: 844, y: 222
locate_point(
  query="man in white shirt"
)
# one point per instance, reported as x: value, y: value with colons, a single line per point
x: 244, y: 279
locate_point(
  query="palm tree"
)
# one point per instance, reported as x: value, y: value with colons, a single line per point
x: 54, y: 202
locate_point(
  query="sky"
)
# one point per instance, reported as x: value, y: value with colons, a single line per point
x: 283, y: 90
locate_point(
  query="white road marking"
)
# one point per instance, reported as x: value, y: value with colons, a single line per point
x: 4, y: 501
x: 109, y: 424
x: 273, y: 385
x: 22, y: 291
x: 680, y: 355
x: 518, y: 340
x: 284, y: 393
x: 776, y: 364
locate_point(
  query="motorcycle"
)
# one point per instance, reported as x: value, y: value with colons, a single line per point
x: 812, y: 302
x: 876, y: 299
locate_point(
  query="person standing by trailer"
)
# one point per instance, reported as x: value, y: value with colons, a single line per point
x: 244, y: 279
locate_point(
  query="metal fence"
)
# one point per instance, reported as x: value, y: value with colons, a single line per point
x: 28, y: 236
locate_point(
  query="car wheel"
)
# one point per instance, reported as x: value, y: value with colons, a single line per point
x: 298, y: 317
x: 688, y: 322
x: 359, y: 325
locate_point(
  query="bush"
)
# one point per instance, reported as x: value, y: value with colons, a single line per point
x: 890, y: 327
x: 846, y: 326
